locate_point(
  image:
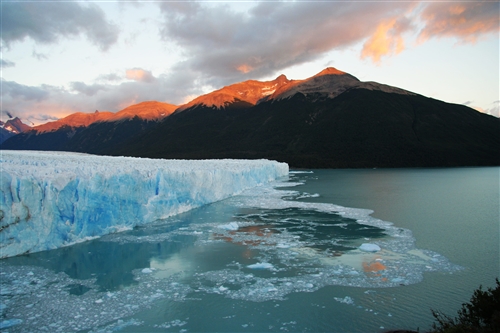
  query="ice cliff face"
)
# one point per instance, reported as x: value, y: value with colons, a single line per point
x: 49, y: 199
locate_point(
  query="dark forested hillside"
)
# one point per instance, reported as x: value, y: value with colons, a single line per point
x: 359, y: 128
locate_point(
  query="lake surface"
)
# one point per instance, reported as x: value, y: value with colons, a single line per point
x: 320, y: 251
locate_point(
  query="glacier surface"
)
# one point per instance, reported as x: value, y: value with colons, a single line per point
x: 54, y: 199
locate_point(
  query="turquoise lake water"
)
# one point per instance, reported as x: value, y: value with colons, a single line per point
x: 320, y: 251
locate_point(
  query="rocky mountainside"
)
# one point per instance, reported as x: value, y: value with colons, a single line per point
x: 330, y: 120
x: 243, y: 94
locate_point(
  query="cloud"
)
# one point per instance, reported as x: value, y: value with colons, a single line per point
x: 139, y: 74
x: 494, y: 110
x: 466, y: 21
x: 6, y: 63
x: 387, y: 39
x: 89, y: 90
x: 39, y: 56
x: 271, y: 36
x: 22, y: 92
x: 46, y: 22
x: 111, y: 77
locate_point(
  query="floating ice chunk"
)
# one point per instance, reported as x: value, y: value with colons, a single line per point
x: 369, y: 247
x: 233, y: 226
x: 9, y: 323
x: 271, y: 289
x: 147, y: 270
x: 308, y: 195
x: 345, y: 300
x: 261, y: 265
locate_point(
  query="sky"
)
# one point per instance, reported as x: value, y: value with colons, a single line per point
x: 61, y: 57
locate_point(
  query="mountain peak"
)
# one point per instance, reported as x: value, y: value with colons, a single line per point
x: 148, y: 110
x: 330, y: 71
x: 14, y: 125
x: 281, y: 79
x: 251, y: 92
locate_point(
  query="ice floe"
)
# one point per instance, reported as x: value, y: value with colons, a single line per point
x: 368, y: 247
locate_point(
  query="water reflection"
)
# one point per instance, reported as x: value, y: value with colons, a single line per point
x: 110, y: 263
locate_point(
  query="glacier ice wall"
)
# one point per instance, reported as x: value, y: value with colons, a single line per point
x: 54, y: 199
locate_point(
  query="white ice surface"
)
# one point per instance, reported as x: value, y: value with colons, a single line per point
x: 261, y: 265
x: 230, y: 226
x: 54, y: 199
x: 368, y: 247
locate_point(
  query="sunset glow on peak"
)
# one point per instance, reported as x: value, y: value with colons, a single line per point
x: 330, y: 71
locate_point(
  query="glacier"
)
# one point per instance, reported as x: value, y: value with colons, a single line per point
x: 54, y: 199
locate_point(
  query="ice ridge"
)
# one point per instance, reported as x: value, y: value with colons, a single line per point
x: 54, y: 199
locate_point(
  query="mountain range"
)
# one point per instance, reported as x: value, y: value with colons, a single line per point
x: 330, y: 120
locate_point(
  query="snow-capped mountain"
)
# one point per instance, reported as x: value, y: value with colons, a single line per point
x: 12, y: 127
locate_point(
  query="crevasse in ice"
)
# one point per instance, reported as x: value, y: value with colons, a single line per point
x: 53, y: 199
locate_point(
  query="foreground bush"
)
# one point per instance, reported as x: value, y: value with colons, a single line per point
x: 480, y: 315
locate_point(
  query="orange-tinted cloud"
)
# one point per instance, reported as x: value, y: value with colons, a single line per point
x: 139, y: 74
x: 386, y: 40
x: 244, y: 68
x: 466, y: 21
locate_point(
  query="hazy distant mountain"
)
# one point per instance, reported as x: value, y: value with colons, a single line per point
x: 330, y: 120
x: 66, y: 133
x: 12, y: 127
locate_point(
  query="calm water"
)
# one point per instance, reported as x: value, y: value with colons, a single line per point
x: 282, y: 258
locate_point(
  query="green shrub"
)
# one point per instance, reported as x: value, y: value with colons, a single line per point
x: 480, y: 315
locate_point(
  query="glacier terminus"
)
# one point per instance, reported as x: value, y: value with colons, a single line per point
x: 54, y: 199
